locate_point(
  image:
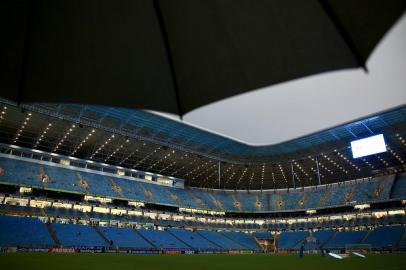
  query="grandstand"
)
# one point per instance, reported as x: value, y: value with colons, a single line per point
x: 52, y: 200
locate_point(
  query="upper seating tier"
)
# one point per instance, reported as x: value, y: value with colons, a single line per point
x: 27, y: 172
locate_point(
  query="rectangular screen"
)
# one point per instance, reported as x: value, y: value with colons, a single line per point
x: 368, y: 146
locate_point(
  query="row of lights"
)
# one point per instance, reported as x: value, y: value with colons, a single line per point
x: 68, y: 132
x: 167, y: 167
x: 179, y: 169
x: 102, y: 146
x: 24, y: 125
x: 301, y: 168
x: 338, y: 166
x: 83, y: 141
x: 262, y: 174
x: 273, y: 179
x: 395, y: 154
x: 382, y: 160
x: 116, y: 150
x: 321, y: 165
x: 214, y: 178
x: 127, y: 157
x: 241, y: 176
x: 3, y: 112
x: 297, y: 177
x: 315, y: 171
x: 348, y: 161
x: 198, y: 168
x: 368, y: 163
x: 162, y: 159
x: 204, y: 171
x: 250, y: 181
x: 231, y: 176
x: 283, y: 173
x: 184, y: 166
x: 401, y: 139
x: 146, y: 157
x: 41, y: 137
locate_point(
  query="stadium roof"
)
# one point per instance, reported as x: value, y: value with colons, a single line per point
x: 145, y: 141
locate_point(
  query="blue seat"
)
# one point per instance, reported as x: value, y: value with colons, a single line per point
x: 23, y: 232
x: 220, y: 240
x: 385, y: 237
x: 343, y: 239
x: 242, y: 239
x: 263, y: 235
x: 162, y: 239
x: 125, y: 237
x: 74, y: 235
x: 290, y: 240
x: 193, y: 239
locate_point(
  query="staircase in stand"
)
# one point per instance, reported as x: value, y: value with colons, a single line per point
x: 146, y: 239
x: 217, y: 245
x: 397, y: 246
x: 53, y: 235
x: 102, y: 236
x: 366, y: 236
x: 179, y: 239
x: 263, y: 248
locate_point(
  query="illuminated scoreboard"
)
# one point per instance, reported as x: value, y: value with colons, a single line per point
x: 368, y: 146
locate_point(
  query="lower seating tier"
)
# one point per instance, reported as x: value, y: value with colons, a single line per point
x: 24, y: 232
x: 31, y: 232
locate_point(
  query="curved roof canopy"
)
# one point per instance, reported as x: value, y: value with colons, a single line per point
x: 148, y: 142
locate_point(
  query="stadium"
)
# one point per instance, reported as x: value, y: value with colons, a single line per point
x: 153, y: 135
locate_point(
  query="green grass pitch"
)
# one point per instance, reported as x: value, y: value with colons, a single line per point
x: 44, y: 261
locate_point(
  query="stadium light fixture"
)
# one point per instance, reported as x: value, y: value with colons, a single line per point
x: 44, y: 132
x: 83, y: 142
x: 102, y: 146
x: 22, y: 127
x: 395, y: 154
x: 3, y: 113
x: 67, y: 133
